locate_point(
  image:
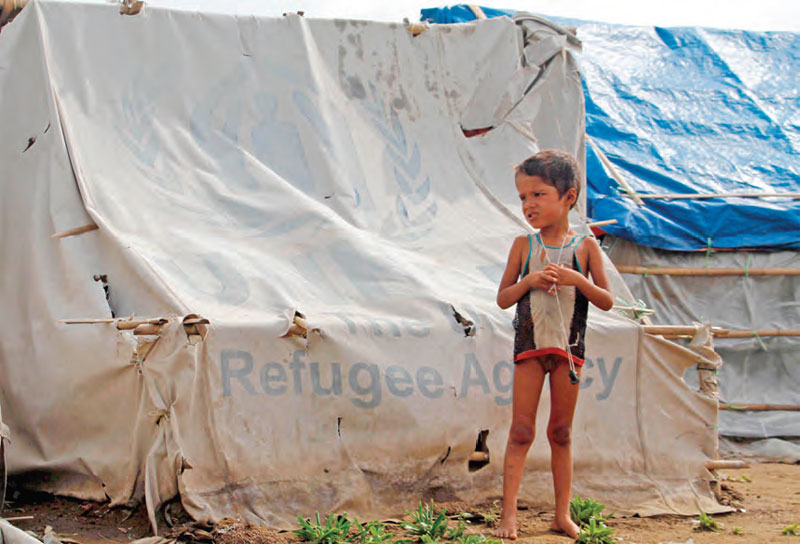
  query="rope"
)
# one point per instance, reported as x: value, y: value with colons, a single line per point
x: 709, y: 251
x: 573, y: 375
x: 760, y: 341
x: 747, y: 266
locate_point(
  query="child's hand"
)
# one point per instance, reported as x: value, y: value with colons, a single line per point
x: 544, y: 280
x: 563, y: 275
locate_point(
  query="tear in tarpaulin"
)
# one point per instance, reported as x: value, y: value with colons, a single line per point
x: 480, y: 457
x: 469, y: 326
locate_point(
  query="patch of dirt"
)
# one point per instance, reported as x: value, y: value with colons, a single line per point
x: 85, y: 521
x: 767, y: 497
x: 234, y: 531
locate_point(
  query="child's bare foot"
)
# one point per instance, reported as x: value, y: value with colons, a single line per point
x: 507, y: 528
x: 566, y: 526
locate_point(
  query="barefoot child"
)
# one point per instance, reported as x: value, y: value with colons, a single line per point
x: 546, y: 277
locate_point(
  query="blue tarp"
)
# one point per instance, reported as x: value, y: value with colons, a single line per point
x: 691, y: 110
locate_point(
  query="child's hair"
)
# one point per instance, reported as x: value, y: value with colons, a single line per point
x: 557, y: 168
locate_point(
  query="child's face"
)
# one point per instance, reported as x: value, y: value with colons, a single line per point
x: 541, y: 205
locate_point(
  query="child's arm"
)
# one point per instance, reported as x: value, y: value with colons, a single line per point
x: 597, y: 291
x: 511, y: 290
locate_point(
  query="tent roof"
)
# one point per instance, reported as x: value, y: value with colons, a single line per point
x: 692, y: 110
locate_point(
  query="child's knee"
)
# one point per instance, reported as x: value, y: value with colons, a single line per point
x: 521, y: 434
x: 559, y: 435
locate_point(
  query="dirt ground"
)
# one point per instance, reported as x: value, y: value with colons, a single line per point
x: 767, y: 498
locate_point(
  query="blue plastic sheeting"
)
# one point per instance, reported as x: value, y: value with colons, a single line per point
x: 459, y: 14
x: 693, y: 110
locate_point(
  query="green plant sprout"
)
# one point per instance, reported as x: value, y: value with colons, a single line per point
x: 707, y: 523
x: 374, y: 532
x: 792, y: 530
x: 426, y: 523
x: 476, y: 539
x: 583, y: 510
x: 333, y: 531
x: 595, y: 532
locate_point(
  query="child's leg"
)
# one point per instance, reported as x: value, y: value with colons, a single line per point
x: 528, y: 382
x: 563, y: 398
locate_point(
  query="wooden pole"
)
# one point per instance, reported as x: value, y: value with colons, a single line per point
x: 613, y: 169
x: 735, y: 406
x: 477, y: 11
x: 694, y: 196
x: 76, y: 230
x: 717, y: 464
x: 601, y: 223
x: 696, y: 271
x: 147, y: 329
x: 87, y: 321
x: 679, y: 330
x: 133, y: 323
x: 688, y: 330
x: 762, y: 332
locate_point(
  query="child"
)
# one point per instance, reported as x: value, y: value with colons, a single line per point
x: 546, y: 277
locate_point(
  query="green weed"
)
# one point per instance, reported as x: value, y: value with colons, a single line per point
x: 457, y: 531
x: 737, y: 531
x: 792, y: 530
x: 595, y: 532
x: 334, y: 530
x: 425, y: 523
x: 582, y: 511
x: 476, y: 539
x: 374, y: 532
x: 707, y: 523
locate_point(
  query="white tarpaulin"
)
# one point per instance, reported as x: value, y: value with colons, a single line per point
x: 243, y: 168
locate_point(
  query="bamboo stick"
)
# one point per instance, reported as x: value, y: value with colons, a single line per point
x: 479, y: 457
x: 147, y: 329
x: 601, y: 223
x: 196, y: 321
x: 693, y: 196
x: 613, y: 169
x: 680, y: 330
x: 688, y: 330
x: 735, y: 406
x: 127, y: 325
x: 76, y: 230
x: 717, y: 464
x: 696, y: 271
x: 477, y: 11
x: 80, y: 321
x: 761, y: 332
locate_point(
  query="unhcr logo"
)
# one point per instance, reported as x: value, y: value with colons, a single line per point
x: 366, y: 384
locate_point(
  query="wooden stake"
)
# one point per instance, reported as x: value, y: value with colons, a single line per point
x: 717, y: 464
x: 735, y: 406
x: 695, y: 271
x: 76, y: 230
x: 613, y: 169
